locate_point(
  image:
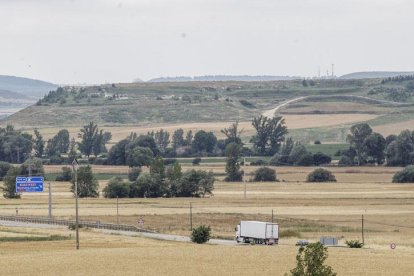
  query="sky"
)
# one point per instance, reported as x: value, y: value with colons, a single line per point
x: 102, y: 41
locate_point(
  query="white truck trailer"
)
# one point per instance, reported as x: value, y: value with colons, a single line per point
x: 257, y: 232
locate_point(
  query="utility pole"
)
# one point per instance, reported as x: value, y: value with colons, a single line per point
x: 362, y: 229
x: 191, y: 217
x: 75, y: 171
x: 117, y: 211
x: 244, y: 176
x: 50, y: 202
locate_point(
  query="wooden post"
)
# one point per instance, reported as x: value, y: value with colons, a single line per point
x: 362, y: 229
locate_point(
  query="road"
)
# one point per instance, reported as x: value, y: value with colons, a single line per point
x: 156, y: 236
x: 271, y: 112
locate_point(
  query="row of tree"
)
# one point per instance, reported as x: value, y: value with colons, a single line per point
x: 368, y: 147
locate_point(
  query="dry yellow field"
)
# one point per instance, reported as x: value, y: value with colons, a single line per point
x: 102, y: 254
x: 308, y: 210
x: 292, y: 121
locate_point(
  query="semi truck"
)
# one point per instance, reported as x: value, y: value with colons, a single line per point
x: 257, y: 232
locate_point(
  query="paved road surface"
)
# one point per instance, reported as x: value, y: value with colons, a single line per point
x: 118, y: 232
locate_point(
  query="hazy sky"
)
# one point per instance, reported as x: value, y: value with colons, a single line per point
x: 92, y: 41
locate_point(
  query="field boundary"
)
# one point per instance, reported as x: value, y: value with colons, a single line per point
x: 89, y: 224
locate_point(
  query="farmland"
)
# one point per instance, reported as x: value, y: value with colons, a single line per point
x: 307, y: 210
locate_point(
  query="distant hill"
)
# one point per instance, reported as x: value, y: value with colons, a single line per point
x: 374, y: 75
x: 27, y: 87
x: 224, y: 78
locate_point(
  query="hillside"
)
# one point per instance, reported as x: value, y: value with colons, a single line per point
x: 374, y: 75
x: 322, y: 109
x: 224, y: 78
x: 25, y: 86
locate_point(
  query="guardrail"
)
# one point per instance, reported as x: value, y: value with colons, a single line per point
x: 82, y: 223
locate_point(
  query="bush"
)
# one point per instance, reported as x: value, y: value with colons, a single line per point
x: 148, y: 186
x: 320, y: 158
x: 310, y: 261
x: 345, y: 161
x: 354, y: 244
x: 404, y: 176
x: 321, y: 175
x: 317, y: 142
x: 4, y: 168
x: 169, y: 161
x: 201, y: 234
x: 264, y: 174
x: 258, y: 163
x: 196, y: 161
x: 305, y: 160
x: 133, y: 174
x: 66, y: 174
x: 116, y: 188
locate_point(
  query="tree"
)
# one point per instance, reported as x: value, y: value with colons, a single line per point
x: 282, y: 157
x: 62, y: 141
x: 204, y: 141
x: 4, y: 168
x: 116, y: 188
x: 232, y: 163
x: 359, y: 133
x: 87, y: 183
x: 9, y: 185
x: 320, y: 158
x: 320, y: 175
x: 15, y: 146
x: 162, y: 140
x: 117, y: 154
x: 133, y: 174
x: 264, y: 174
x: 178, y: 138
x: 404, y: 176
x: 101, y: 139
x: 400, y: 152
x: 189, y: 138
x: 33, y: 166
x: 270, y: 133
x: 148, y: 186
x: 196, y: 183
x: 374, y: 145
x: 139, y: 156
x: 66, y: 175
x: 201, y: 234
x: 88, y: 135
x: 310, y: 261
x: 39, y: 144
x: 72, y: 151
x: 157, y: 167
x: 233, y: 133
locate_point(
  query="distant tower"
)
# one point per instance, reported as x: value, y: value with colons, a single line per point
x: 333, y: 70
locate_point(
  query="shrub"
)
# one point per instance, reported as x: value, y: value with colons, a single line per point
x: 196, y: 161
x: 133, y: 174
x: 66, y: 174
x: 320, y: 158
x: 317, y: 142
x: 148, y: 186
x: 404, y: 176
x: 247, y: 104
x: 289, y: 233
x: 321, y: 175
x: 201, y: 234
x: 169, y: 161
x: 116, y: 188
x: 345, y: 161
x: 258, y: 163
x: 305, y: 160
x: 310, y: 261
x: 264, y: 174
x: 354, y: 244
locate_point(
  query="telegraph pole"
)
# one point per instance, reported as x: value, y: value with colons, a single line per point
x: 50, y: 202
x: 244, y: 176
x: 362, y: 229
x: 75, y: 171
x: 191, y: 216
x: 117, y: 211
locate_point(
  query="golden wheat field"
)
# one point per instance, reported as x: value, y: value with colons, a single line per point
x: 303, y: 211
x: 292, y: 121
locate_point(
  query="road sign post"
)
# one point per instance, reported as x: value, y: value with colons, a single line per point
x: 75, y: 166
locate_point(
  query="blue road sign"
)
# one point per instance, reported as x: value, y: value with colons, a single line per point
x: 29, y: 184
